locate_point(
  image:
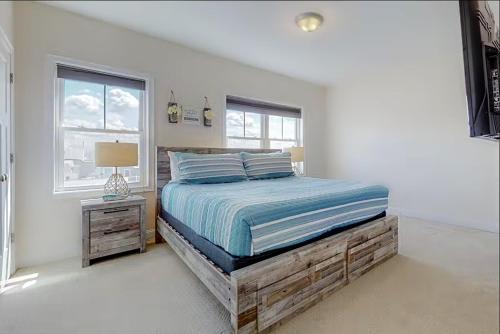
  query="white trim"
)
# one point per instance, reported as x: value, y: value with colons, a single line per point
x: 146, y: 130
x: 434, y: 219
x: 11, y: 260
x: 104, y: 131
x: 94, y: 193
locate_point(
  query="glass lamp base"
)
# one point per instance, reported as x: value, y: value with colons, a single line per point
x: 116, y: 186
x: 297, y: 170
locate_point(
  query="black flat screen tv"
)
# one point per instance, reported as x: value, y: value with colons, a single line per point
x: 481, y: 49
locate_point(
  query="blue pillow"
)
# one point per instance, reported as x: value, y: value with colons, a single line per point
x: 267, y: 165
x: 209, y: 168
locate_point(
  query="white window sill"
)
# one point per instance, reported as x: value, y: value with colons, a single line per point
x: 92, y: 193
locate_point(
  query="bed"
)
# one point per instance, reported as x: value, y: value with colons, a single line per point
x: 268, y: 249
x: 240, y: 223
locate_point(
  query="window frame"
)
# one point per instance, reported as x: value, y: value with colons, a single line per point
x: 297, y: 139
x: 265, y: 141
x: 145, y: 131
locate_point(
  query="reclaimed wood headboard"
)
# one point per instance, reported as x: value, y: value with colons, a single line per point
x: 163, y: 175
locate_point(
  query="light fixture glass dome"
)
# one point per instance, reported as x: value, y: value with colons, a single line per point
x: 309, y: 21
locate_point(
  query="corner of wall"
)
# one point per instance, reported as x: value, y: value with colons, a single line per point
x: 7, y: 20
x: 329, y: 132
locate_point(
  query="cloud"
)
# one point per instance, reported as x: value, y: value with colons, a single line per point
x: 115, y: 122
x: 252, y: 126
x: 122, y: 99
x: 86, y: 110
x: 121, y: 110
x: 234, y: 119
x: 234, y: 122
x: 83, y: 102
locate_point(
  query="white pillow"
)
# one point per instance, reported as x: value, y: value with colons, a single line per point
x: 174, y: 169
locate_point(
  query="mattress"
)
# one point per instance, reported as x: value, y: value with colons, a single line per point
x: 254, y: 217
x: 228, y: 262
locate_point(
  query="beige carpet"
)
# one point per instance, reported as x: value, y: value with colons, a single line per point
x: 445, y: 280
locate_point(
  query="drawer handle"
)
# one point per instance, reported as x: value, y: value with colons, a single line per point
x: 113, y: 211
x: 116, y: 231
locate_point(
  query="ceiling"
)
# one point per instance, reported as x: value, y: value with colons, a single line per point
x: 263, y: 34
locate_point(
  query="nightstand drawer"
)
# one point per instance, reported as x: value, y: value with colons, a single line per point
x: 107, y: 223
x: 116, y: 226
x: 104, y: 216
x: 115, y: 240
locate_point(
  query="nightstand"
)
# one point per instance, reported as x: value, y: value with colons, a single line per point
x: 112, y: 227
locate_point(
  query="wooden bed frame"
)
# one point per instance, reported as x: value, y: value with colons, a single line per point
x: 261, y: 296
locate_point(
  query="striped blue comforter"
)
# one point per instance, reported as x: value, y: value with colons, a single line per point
x: 252, y: 217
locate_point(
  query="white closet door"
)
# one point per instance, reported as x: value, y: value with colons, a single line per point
x: 5, y: 162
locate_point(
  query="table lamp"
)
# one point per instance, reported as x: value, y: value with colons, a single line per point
x: 116, y: 155
x: 297, y: 156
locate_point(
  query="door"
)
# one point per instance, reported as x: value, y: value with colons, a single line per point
x: 5, y: 162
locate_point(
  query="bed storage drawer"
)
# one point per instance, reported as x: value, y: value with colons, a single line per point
x: 365, y: 256
x: 299, y: 290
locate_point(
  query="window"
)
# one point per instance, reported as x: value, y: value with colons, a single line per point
x: 254, y: 124
x: 93, y: 106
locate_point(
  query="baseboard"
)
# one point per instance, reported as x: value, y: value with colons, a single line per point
x: 150, y: 236
x: 414, y: 214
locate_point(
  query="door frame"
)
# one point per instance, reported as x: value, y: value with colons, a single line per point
x: 11, y: 263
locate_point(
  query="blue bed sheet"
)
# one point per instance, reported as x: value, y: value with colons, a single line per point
x: 251, y: 217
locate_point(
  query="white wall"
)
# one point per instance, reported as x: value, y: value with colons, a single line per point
x: 48, y: 227
x: 7, y: 19
x: 405, y: 125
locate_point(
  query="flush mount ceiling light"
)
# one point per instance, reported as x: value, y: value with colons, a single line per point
x: 309, y: 21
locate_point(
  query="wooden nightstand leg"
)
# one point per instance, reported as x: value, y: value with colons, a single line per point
x: 85, y: 238
x: 143, y: 227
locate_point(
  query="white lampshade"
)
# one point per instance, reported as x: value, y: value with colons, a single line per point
x: 116, y: 154
x: 296, y: 152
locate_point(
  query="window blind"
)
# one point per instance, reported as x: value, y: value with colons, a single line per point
x: 266, y: 108
x: 80, y: 74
